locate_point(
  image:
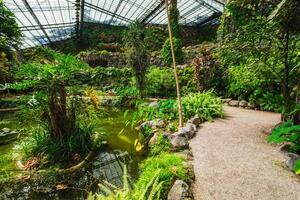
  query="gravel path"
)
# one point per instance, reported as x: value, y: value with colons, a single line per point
x: 233, y: 161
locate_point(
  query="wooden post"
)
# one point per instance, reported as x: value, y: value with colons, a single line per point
x: 174, y: 66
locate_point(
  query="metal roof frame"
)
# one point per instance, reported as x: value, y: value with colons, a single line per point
x: 47, y: 21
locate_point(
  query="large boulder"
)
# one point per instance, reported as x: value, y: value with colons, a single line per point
x: 180, y: 191
x: 178, y: 142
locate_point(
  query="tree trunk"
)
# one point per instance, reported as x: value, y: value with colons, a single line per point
x: 286, y: 89
x: 175, y: 68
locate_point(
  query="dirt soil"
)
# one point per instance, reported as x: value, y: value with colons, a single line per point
x: 233, y: 161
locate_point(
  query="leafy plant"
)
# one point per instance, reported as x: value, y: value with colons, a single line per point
x: 162, y: 145
x: 170, y: 166
x: 206, y: 105
x: 166, y: 51
x: 297, y: 167
x: 287, y: 132
x: 150, y: 192
x: 160, y: 82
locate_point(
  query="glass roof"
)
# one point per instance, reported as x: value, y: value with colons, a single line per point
x: 46, y: 21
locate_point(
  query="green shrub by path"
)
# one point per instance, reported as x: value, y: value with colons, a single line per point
x: 206, y: 105
x: 287, y: 132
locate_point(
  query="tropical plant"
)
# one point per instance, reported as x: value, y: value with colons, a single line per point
x: 61, y: 110
x: 287, y: 132
x: 206, y: 105
x: 160, y: 83
x: 137, y: 53
x: 150, y: 192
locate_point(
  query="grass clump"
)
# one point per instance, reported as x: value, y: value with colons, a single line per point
x: 162, y: 145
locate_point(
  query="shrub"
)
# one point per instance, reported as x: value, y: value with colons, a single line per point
x: 242, y: 82
x: 208, y: 71
x: 166, y: 53
x: 287, y: 132
x: 206, y: 105
x: 161, y: 83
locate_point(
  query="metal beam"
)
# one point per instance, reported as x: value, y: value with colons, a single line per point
x: 81, y: 17
x: 36, y: 19
x: 115, y: 12
x: 107, y: 12
x: 77, y: 18
x: 207, y: 5
x: 212, y: 17
x: 153, y: 11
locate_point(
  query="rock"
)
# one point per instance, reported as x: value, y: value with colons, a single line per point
x: 226, y: 100
x: 188, y: 131
x: 178, y: 142
x: 250, y: 106
x: 5, y: 130
x: 285, y: 147
x: 243, y: 104
x: 291, y: 161
x: 159, y: 123
x: 153, y: 139
x: 180, y: 191
x: 187, y: 154
x: 195, y: 120
x: 234, y: 103
x: 153, y: 104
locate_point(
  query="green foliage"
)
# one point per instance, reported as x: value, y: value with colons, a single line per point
x: 150, y: 192
x: 206, y: 105
x: 262, y: 46
x: 287, y: 132
x: 297, y: 167
x: 174, y: 19
x: 162, y: 145
x: 10, y: 32
x: 267, y: 100
x: 166, y: 53
x: 242, y: 82
x: 160, y: 83
x: 208, y: 72
x: 170, y: 166
x: 137, y: 53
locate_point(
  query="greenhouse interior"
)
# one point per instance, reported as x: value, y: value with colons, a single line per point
x: 150, y: 99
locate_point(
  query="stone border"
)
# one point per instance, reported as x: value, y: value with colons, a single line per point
x: 180, y: 146
x: 241, y: 104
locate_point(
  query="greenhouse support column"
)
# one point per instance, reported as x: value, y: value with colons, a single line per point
x: 175, y: 67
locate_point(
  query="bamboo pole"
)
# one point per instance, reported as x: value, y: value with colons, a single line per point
x: 174, y: 66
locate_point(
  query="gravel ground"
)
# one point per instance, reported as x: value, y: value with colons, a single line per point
x: 233, y: 161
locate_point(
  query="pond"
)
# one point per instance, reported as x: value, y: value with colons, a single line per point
x: 107, y: 164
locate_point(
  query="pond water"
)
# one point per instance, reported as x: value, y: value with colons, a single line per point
x: 107, y: 164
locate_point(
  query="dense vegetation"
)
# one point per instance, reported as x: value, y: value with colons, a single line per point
x: 65, y: 90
